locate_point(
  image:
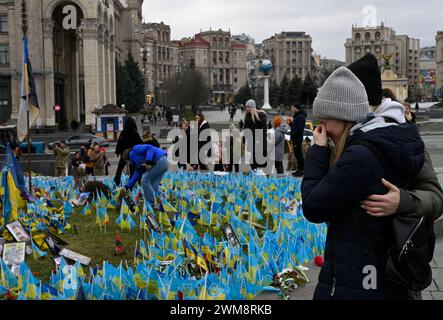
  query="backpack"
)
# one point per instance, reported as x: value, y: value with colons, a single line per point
x: 406, y: 262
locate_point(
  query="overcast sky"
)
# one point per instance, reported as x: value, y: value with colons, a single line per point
x: 328, y: 22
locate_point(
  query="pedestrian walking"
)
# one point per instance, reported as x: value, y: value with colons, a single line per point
x: 61, y: 152
x: 337, y: 180
x: 297, y: 132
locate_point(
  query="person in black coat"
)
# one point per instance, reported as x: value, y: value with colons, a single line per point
x: 186, y: 144
x: 337, y: 181
x: 256, y: 122
x: 202, y: 142
x: 127, y: 140
x: 297, y: 132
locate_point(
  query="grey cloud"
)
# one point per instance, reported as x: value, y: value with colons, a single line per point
x: 328, y: 22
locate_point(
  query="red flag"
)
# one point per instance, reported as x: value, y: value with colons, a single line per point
x: 119, y: 248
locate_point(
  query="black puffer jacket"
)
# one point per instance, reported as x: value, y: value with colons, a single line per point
x: 298, y: 127
x: 129, y: 137
x: 333, y: 195
x: 254, y: 127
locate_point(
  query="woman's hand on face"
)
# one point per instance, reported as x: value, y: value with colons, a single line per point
x: 321, y: 136
x: 383, y: 205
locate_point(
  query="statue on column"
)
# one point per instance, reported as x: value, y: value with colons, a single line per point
x: 387, y: 64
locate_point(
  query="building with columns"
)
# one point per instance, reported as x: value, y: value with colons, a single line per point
x: 73, y: 67
x: 382, y: 40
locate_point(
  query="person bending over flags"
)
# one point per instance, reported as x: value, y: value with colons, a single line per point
x: 152, y: 164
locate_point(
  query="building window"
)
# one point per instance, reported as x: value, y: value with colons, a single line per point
x: 235, y: 80
x: 3, y: 23
x: 4, y: 54
x: 367, y: 37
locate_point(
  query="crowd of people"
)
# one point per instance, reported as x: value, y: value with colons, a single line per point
x: 91, y: 160
x: 286, y: 142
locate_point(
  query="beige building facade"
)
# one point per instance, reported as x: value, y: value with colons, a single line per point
x: 439, y: 61
x: 74, y: 64
x: 162, y: 58
x: 220, y: 58
x: 290, y: 54
x: 382, y: 40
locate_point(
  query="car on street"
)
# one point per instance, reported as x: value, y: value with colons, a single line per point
x: 75, y: 142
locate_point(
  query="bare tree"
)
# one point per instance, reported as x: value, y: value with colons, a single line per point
x: 187, y: 88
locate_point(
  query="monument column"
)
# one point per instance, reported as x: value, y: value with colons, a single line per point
x: 101, y: 66
x: 47, y: 112
x: 91, y: 68
x: 107, y: 73
x: 112, y: 63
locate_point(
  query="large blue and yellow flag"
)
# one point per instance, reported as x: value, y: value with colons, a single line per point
x: 13, y: 187
x: 28, y: 94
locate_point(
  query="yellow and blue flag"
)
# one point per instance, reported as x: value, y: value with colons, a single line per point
x: 28, y: 95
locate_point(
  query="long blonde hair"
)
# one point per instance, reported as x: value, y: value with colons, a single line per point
x: 254, y: 114
x: 339, y: 148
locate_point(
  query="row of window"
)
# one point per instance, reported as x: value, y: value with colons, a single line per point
x: 294, y: 45
x: 3, y: 23
x: 4, y: 54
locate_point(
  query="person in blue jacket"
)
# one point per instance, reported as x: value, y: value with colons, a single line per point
x: 340, y: 173
x: 152, y: 164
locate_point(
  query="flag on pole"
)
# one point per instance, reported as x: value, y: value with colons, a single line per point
x: 13, y: 185
x: 28, y: 92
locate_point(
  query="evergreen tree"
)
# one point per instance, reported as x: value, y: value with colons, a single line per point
x: 284, y: 92
x: 274, y: 93
x: 130, y: 85
x: 294, y: 90
x: 308, y: 91
x: 121, y: 82
x: 243, y: 95
x: 135, y: 95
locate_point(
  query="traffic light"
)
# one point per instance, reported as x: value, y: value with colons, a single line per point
x: 149, y: 99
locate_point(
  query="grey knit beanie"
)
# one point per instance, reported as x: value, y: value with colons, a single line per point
x: 342, y: 97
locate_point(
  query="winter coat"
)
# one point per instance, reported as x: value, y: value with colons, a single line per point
x: 99, y: 161
x: 128, y: 138
x: 278, y: 138
x: 424, y: 196
x: 232, y: 152
x: 298, y: 127
x: 332, y: 195
x: 201, y: 140
x: 61, y: 157
x: 186, y: 145
x: 254, y: 127
x: 141, y: 154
